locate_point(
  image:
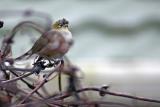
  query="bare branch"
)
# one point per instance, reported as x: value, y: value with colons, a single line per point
x: 28, y: 13
x: 15, y: 79
x: 65, y: 95
x: 75, y: 103
x: 41, y: 84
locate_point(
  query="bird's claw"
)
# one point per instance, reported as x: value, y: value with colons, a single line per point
x: 50, y: 65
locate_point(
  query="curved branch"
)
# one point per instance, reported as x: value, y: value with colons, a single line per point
x: 6, y: 46
x: 29, y: 23
x: 107, y: 92
x: 73, y: 103
x: 28, y: 13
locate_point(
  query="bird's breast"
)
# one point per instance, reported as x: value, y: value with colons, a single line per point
x: 67, y: 36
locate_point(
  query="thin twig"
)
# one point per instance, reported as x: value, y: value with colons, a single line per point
x: 15, y: 79
x: 18, y: 69
x: 41, y: 84
x: 36, y: 68
x: 27, y: 83
x: 65, y: 95
x: 73, y: 103
x: 82, y: 103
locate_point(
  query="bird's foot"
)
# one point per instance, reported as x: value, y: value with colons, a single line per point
x: 50, y: 64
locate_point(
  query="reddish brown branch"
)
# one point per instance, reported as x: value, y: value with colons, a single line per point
x: 15, y: 79
x: 41, y: 84
x: 89, y: 103
x: 65, y: 95
x: 74, y: 103
x: 27, y: 83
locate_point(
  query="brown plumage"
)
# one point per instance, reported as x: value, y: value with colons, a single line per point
x: 52, y: 44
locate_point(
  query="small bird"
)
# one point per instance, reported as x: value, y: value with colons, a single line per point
x: 54, y: 43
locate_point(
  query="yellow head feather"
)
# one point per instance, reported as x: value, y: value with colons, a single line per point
x: 62, y: 23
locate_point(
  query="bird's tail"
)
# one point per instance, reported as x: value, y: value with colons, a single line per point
x: 24, y: 56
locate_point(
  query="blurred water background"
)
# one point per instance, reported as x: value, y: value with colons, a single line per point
x: 116, y: 41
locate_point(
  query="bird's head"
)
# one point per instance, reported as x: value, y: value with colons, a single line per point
x: 62, y: 23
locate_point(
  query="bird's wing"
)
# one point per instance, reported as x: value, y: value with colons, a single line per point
x: 55, y: 38
x: 40, y: 43
x: 50, y: 37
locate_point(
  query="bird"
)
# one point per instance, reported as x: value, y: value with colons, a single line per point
x: 52, y: 44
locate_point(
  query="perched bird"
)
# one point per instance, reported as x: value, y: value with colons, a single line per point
x: 53, y: 43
